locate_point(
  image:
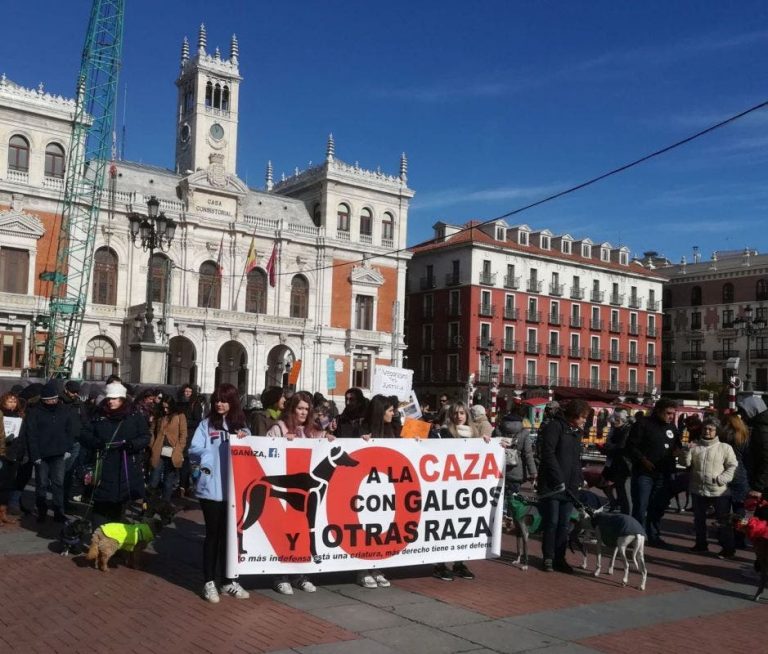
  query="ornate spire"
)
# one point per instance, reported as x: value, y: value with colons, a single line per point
x: 202, y: 39
x: 217, y: 53
x: 330, y: 148
x: 269, y: 180
x: 184, y: 51
x: 404, y: 167
x: 234, y: 49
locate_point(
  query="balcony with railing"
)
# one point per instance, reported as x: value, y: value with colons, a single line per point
x: 483, y: 376
x: 452, y: 279
x: 511, y: 281
x: 594, y: 384
x: 488, y: 279
x: 509, y: 345
x: 511, y: 313
x: 18, y: 176
x: 533, y: 380
x: 553, y: 318
x: 595, y: 325
x: 486, y: 310
x: 531, y: 347
x: 633, y: 358
x: 534, y: 285
x: 454, y: 310
x: 533, y: 316
x: 428, y: 344
x: 484, y: 342
x: 614, y: 356
x: 614, y: 386
x: 577, y: 293
x: 511, y: 378
x: 722, y: 355
x: 595, y: 355
x: 759, y: 353
x: 633, y: 329
x: 576, y: 321
x: 554, y: 350
x: 454, y: 342
x: 597, y: 296
x: 556, y: 289
x: 652, y: 305
x: 635, y: 302
x: 615, y: 326
x: 616, y: 299
x: 694, y: 355
x: 652, y: 360
x: 651, y: 332
x: 575, y: 352
x: 428, y: 282
x: 555, y: 381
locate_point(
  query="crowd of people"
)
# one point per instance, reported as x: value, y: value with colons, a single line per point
x: 114, y: 449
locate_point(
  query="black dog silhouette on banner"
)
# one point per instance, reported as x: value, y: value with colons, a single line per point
x: 302, y: 490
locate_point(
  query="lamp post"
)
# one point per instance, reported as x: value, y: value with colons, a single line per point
x: 750, y: 326
x: 151, y: 232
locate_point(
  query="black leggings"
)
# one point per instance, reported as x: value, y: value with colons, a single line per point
x: 215, y: 544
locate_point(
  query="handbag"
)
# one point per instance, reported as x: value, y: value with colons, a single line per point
x: 167, y: 451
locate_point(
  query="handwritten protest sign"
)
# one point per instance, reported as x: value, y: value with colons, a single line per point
x: 310, y: 505
x: 389, y: 380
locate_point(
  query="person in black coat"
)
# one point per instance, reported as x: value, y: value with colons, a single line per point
x: 119, y: 435
x: 50, y: 432
x: 560, y: 471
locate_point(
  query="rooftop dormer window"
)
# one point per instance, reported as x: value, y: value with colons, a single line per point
x: 501, y: 234
x: 565, y: 247
x: 545, y: 242
x: 586, y: 250
x: 605, y: 254
x: 623, y: 258
x: 522, y: 238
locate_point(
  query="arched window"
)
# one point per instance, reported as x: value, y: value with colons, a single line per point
x: 100, y: 361
x: 225, y: 98
x: 105, y: 277
x: 761, y: 290
x: 217, y: 96
x: 256, y: 291
x: 342, y: 215
x: 388, y: 227
x: 54, y: 160
x: 696, y: 296
x: 18, y: 154
x: 366, y: 222
x: 209, y: 286
x: 209, y: 94
x: 161, y: 273
x: 727, y: 293
x: 317, y: 214
x: 299, y: 297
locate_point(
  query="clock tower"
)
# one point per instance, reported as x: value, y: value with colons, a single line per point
x: 206, y: 115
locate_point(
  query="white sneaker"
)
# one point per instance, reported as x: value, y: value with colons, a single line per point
x: 366, y: 580
x: 302, y: 583
x: 381, y: 581
x: 284, y: 588
x: 210, y: 594
x: 234, y: 589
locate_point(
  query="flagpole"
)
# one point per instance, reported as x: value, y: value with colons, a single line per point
x: 245, y: 272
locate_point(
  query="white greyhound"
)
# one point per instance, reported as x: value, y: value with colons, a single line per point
x: 614, y: 530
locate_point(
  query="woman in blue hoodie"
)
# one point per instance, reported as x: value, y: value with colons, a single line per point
x: 210, y: 447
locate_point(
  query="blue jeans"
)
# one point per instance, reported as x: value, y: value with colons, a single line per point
x: 650, y: 497
x: 50, y: 471
x: 722, y: 507
x: 555, y: 513
x: 165, y: 472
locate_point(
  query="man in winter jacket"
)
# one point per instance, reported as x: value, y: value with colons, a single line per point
x: 755, y: 412
x: 560, y: 471
x: 652, y: 446
x: 50, y: 431
x: 70, y: 397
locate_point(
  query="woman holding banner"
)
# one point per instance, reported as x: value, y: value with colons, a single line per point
x: 296, y: 421
x: 378, y: 423
x: 210, y: 448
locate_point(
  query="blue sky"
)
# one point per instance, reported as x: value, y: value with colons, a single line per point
x: 496, y: 103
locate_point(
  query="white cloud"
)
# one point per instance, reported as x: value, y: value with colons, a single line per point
x: 455, y: 196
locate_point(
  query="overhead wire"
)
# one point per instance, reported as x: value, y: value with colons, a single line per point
x: 554, y: 196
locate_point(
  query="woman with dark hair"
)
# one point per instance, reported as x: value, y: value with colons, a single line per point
x: 12, y: 450
x: 210, y: 448
x: 191, y: 405
x: 272, y: 405
x: 119, y: 435
x: 379, y: 418
x: 351, y: 419
x: 168, y: 445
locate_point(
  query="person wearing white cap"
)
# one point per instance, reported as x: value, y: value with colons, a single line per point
x: 120, y: 436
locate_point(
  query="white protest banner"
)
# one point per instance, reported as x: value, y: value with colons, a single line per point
x: 12, y: 427
x: 310, y: 505
x: 388, y: 380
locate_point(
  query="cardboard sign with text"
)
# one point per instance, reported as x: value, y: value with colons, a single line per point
x: 388, y: 380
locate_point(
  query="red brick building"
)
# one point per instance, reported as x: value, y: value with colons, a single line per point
x: 532, y: 309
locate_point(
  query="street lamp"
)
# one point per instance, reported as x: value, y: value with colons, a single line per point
x: 750, y: 326
x: 151, y: 232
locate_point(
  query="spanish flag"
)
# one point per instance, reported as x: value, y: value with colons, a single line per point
x: 250, y: 262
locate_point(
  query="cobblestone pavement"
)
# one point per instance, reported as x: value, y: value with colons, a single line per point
x: 52, y: 603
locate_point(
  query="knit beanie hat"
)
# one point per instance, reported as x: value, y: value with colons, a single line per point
x: 477, y: 410
x: 116, y: 389
x: 49, y: 392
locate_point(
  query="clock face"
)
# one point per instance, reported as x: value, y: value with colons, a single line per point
x: 184, y: 133
x: 217, y: 132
